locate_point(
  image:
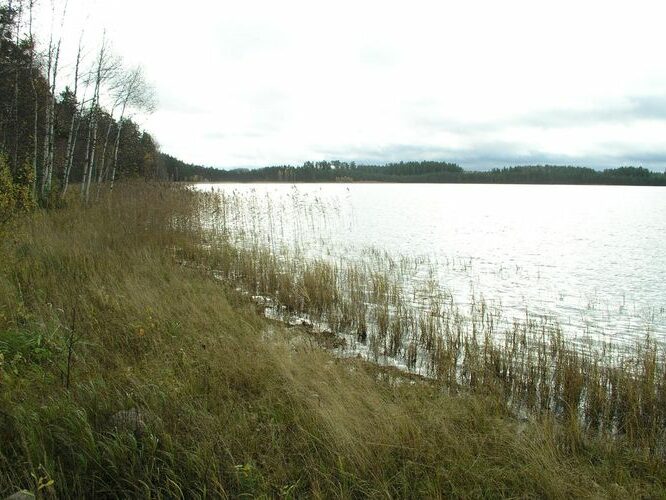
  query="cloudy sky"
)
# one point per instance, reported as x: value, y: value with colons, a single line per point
x: 481, y: 83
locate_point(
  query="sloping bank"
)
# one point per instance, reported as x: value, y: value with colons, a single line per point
x: 124, y: 373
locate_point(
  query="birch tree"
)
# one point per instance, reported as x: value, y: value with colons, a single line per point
x: 103, y: 165
x: 51, y: 78
x: 33, y: 81
x: 47, y: 116
x: 136, y: 94
x: 75, y: 123
x: 106, y: 65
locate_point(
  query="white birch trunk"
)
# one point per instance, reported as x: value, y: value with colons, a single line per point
x: 133, y: 89
x: 36, y: 110
x: 52, y: 102
x: 73, y: 127
x: 86, y: 163
x: 93, y: 149
x: 52, y: 119
x: 16, y: 88
x: 116, y: 147
x: 103, y: 167
x: 47, y: 116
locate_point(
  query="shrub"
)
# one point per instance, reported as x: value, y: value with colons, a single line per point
x: 7, y: 194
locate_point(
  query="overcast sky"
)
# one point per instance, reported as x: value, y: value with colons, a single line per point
x: 481, y: 83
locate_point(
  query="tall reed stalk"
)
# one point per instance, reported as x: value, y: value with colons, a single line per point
x: 371, y: 303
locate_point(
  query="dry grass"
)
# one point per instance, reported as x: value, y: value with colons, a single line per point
x: 372, y: 303
x: 235, y: 405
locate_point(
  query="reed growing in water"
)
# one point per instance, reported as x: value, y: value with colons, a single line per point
x: 371, y: 302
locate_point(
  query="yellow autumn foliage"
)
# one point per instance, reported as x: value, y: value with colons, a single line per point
x: 15, y: 193
x: 7, y: 194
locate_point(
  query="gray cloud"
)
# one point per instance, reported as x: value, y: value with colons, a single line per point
x: 494, y: 155
x: 630, y: 109
x: 624, y: 111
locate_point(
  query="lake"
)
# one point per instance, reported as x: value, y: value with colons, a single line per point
x: 591, y: 257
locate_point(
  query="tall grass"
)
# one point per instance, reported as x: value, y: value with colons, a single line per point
x: 382, y: 314
x: 233, y: 405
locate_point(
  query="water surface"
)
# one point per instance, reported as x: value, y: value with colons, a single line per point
x: 593, y: 257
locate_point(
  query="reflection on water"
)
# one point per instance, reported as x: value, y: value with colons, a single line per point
x: 593, y: 257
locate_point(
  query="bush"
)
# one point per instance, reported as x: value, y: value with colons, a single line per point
x: 15, y: 192
x: 23, y: 184
x: 7, y: 194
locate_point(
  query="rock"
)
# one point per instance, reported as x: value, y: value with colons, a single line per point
x: 21, y: 495
x: 131, y: 420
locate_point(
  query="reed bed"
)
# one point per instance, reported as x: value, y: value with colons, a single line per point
x: 387, y: 317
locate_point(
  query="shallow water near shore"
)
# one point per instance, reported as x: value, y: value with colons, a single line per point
x: 590, y: 257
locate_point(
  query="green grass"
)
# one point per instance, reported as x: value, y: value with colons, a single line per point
x: 234, y: 404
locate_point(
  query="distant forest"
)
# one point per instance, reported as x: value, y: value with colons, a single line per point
x: 414, y: 171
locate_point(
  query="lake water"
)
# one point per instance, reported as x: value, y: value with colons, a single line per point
x: 592, y: 257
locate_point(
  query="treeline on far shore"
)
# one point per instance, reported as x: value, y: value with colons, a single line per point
x: 414, y: 172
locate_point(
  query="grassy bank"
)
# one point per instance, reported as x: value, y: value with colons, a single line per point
x: 99, y: 316
x: 392, y: 310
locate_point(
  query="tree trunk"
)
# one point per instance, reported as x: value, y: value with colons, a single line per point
x: 47, y: 117
x: 15, y: 162
x: 35, y: 151
x: 52, y: 78
x: 52, y: 119
x: 73, y: 127
x: 90, y: 163
x: 86, y: 163
x: 93, y: 149
x: 103, y: 167
x: 115, y: 149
